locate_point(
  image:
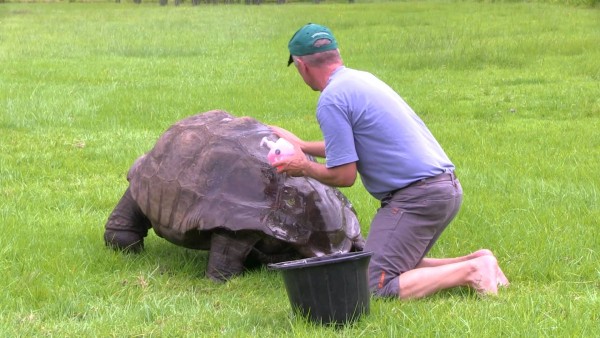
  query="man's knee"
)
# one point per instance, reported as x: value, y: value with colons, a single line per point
x: 127, y: 241
x: 384, y: 287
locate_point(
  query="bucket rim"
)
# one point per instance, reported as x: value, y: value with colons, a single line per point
x: 321, y: 260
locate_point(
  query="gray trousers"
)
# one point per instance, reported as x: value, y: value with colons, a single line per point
x: 406, y: 226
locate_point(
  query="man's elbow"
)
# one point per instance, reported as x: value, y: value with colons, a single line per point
x: 346, y: 181
x: 345, y: 175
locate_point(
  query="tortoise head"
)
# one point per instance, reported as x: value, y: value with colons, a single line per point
x: 317, y: 218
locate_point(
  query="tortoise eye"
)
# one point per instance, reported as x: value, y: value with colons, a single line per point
x: 277, y: 151
x: 290, y: 202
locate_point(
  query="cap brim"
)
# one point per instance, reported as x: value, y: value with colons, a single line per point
x: 291, y: 60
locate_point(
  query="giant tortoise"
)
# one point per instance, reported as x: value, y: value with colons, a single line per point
x: 207, y: 185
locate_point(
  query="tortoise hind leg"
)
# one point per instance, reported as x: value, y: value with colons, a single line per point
x: 228, y: 251
x: 126, y: 226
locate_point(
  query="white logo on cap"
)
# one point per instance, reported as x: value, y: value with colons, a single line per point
x: 320, y: 33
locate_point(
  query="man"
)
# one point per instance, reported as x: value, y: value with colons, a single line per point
x: 369, y: 129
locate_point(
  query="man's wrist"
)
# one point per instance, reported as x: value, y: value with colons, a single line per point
x: 307, y: 168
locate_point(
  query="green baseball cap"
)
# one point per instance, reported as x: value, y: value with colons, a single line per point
x: 303, y: 41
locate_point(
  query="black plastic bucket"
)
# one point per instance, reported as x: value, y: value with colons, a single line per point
x: 331, y: 289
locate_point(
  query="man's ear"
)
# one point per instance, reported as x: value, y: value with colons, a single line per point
x: 299, y: 62
x: 302, y: 65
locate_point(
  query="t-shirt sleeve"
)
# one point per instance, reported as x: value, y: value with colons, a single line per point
x: 336, y: 126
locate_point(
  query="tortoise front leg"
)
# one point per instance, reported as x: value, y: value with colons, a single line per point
x: 228, y: 251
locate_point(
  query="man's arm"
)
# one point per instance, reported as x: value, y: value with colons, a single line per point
x: 299, y: 165
x: 340, y: 176
x: 313, y: 148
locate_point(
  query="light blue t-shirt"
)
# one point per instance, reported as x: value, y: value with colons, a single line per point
x: 363, y: 120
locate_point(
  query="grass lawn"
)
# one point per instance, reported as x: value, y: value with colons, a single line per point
x: 511, y: 91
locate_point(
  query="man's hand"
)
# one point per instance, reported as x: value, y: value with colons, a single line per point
x: 286, y: 134
x: 295, y: 165
x: 313, y: 148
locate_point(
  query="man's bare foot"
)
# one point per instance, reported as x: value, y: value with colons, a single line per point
x: 480, y: 253
x: 484, y: 276
x: 502, y: 280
